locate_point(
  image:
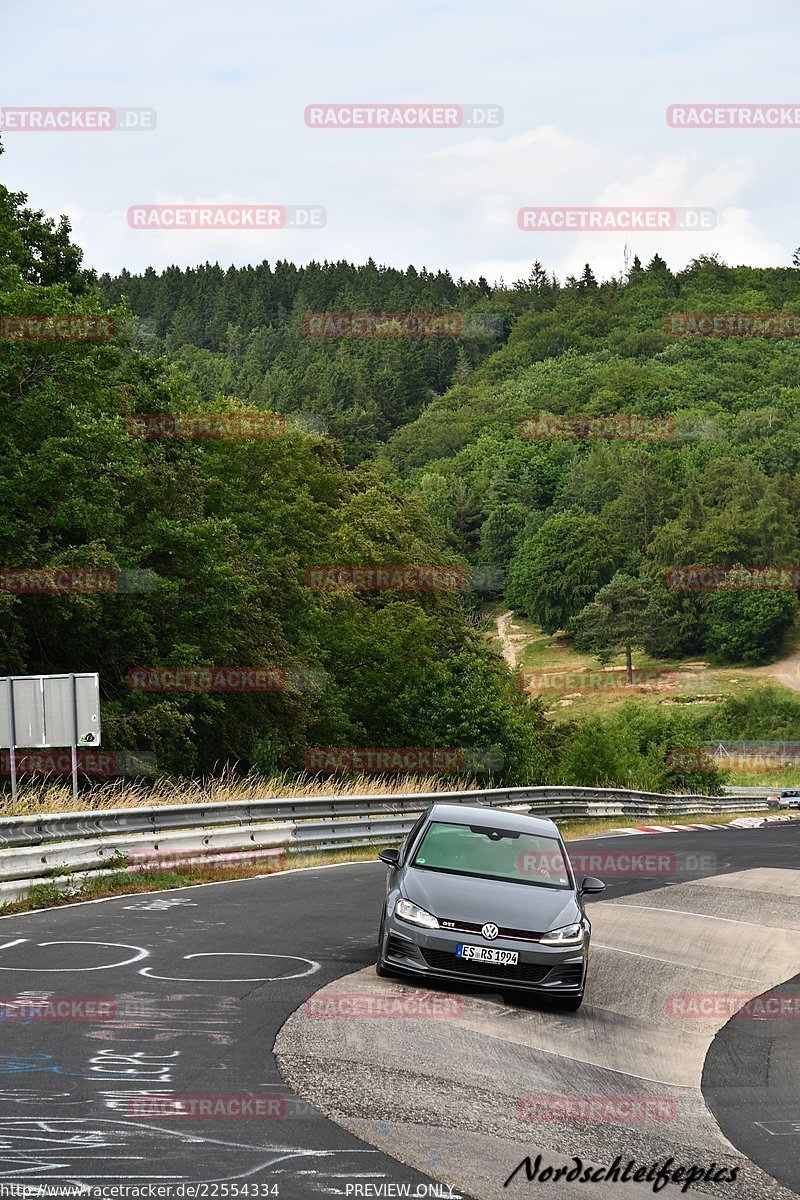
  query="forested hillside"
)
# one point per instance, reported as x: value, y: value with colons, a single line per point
x: 243, y: 331
x: 559, y: 516
x: 225, y: 529
x: 717, y: 485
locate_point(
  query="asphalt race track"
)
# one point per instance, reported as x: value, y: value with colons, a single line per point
x: 203, y: 981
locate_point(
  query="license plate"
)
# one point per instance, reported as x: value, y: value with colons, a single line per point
x: 504, y: 958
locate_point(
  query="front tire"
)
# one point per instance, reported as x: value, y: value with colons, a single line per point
x: 380, y: 969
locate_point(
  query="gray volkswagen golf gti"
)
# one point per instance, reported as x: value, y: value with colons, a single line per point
x: 488, y: 896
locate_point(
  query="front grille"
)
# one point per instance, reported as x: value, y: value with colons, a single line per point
x: 441, y: 960
x: 522, y: 935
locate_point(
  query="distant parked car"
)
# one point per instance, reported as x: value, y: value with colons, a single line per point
x: 486, y: 896
x: 789, y: 798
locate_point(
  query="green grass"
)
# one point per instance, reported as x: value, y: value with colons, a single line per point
x: 777, y: 777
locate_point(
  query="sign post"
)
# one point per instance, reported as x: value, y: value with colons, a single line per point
x: 43, y: 711
x: 12, y: 758
x: 74, y: 747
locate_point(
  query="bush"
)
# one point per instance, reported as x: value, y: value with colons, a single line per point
x: 748, y: 627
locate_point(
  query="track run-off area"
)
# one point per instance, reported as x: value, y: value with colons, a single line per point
x: 199, y: 1001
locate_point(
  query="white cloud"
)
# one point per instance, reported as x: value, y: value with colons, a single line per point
x: 476, y: 190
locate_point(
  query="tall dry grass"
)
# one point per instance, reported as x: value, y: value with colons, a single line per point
x: 41, y: 796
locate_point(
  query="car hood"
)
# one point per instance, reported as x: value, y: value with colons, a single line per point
x: 510, y: 905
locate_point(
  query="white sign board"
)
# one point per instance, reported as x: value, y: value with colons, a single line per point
x: 40, y: 711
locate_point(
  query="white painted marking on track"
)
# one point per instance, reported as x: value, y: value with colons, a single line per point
x: 612, y: 833
x: 140, y: 954
x: 313, y: 966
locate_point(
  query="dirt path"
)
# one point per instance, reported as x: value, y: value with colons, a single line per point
x: 511, y: 642
x: 787, y: 671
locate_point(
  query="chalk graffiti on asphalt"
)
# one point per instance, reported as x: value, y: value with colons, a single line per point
x: 18, y: 1064
x: 117, y: 1151
x: 165, y: 1018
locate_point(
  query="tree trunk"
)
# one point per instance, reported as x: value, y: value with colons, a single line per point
x: 628, y: 665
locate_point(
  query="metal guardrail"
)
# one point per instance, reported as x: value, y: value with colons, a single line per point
x: 64, y: 849
x: 138, y: 850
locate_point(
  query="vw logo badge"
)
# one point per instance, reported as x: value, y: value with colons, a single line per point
x: 490, y: 931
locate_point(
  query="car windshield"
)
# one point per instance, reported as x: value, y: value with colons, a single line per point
x: 491, y: 853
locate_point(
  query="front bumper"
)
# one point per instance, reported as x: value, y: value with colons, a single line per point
x: 546, y: 970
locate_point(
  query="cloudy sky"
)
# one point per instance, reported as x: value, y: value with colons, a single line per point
x: 584, y: 89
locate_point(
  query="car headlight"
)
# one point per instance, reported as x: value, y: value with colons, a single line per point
x: 407, y: 911
x: 567, y: 935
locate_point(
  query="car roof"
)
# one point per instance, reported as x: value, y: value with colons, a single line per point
x: 497, y: 818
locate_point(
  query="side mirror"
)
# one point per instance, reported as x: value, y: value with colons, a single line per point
x: 390, y: 857
x: 592, y: 886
